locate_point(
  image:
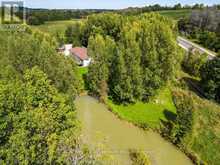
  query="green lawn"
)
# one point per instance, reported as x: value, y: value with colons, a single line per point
x: 83, y: 70
x: 146, y: 114
x: 176, y: 14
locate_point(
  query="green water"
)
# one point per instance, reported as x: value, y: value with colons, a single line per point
x: 98, y: 124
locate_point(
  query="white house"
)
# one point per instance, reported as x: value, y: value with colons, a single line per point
x: 67, y: 49
x: 81, y: 56
x: 78, y: 53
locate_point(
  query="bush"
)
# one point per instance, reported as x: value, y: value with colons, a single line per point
x: 177, y: 129
x: 34, y: 20
x: 193, y: 62
x: 139, y: 158
x: 210, y: 79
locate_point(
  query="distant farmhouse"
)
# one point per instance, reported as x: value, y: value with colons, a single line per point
x: 78, y: 53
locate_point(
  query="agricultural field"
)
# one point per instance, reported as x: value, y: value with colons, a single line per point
x: 55, y: 27
x: 175, y: 14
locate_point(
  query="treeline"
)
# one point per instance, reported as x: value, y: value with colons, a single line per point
x: 203, y: 26
x: 132, y: 56
x: 157, y: 7
x: 40, y: 16
x: 208, y: 71
x: 37, y: 114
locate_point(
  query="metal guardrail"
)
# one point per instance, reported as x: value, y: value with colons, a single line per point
x: 187, y: 45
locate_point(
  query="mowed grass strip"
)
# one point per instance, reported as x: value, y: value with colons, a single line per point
x: 83, y: 70
x: 146, y: 114
x: 176, y: 14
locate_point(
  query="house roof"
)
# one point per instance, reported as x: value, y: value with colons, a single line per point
x: 80, y: 52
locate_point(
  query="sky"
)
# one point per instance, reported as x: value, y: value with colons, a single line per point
x: 106, y: 4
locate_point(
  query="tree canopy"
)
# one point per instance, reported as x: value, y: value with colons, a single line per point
x: 210, y: 79
x: 142, y: 55
x: 37, y: 113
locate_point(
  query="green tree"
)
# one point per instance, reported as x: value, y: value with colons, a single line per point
x: 132, y: 57
x: 184, y: 119
x: 33, y: 48
x: 177, y: 6
x: 120, y: 84
x: 100, y: 50
x: 181, y: 125
x: 144, y: 57
x: 210, y: 79
x: 159, y: 54
x: 73, y: 34
x: 193, y: 62
x: 34, y: 20
x: 32, y: 113
x: 104, y: 24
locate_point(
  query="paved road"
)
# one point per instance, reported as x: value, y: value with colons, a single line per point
x: 187, y: 45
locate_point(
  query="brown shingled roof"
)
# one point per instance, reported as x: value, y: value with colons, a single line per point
x: 81, y: 53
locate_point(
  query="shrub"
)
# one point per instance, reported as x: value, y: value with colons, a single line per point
x: 182, y: 125
x: 210, y: 79
x: 139, y: 158
x: 193, y: 62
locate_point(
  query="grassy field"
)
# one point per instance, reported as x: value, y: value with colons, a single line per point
x: 175, y: 14
x: 82, y: 70
x: 55, y: 27
x: 146, y: 114
x: 204, y: 140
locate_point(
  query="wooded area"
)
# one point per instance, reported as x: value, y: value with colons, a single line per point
x: 37, y: 114
x: 136, y: 66
x: 203, y: 26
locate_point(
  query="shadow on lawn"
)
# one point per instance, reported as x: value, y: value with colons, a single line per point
x: 169, y: 115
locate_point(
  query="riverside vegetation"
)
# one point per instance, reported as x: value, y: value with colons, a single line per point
x: 136, y: 71
x: 37, y: 89
x: 133, y: 60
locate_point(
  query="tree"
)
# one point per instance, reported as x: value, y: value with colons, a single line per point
x: 181, y: 125
x: 73, y: 34
x: 132, y: 57
x: 184, y: 119
x: 33, y: 48
x: 193, y: 62
x: 34, y: 20
x: 177, y: 6
x: 60, y: 38
x: 103, y: 24
x: 159, y: 54
x: 210, y: 79
x: 144, y: 57
x: 100, y: 50
x: 120, y: 84
x: 33, y: 113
